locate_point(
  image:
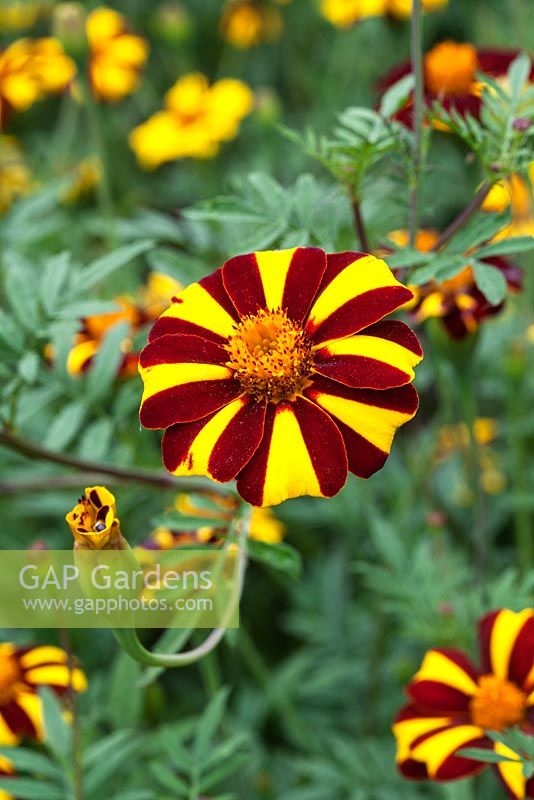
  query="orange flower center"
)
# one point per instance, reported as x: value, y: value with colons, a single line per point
x: 450, y: 68
x: 271, y: 356
x: 9, y: 677
x: 497, y: 704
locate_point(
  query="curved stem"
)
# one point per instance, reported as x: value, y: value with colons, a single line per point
x: 123, y: 474
x: 128, y: 638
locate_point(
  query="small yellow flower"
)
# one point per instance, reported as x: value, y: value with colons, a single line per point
x: 247, y: 23
x: 403, y: 8
x: 94, y: 523
x: 15, y: 177
x: 117, y: 56
x: 197, y: 117
x: 344, y: 13
x: 515, y: 192
x: 30, y: 69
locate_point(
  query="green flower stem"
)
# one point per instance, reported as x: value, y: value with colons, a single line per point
x: 419, y: 108
x: 464, y: 215
x: 359, y: 224
x: 128, y: 638
x: 76, y: 776
x: 524, y: 529
x: 95, y: 130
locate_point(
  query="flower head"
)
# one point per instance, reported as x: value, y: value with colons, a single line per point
x: 450, y: 76
x: 278, y: 370
x: 116, y: 55
x: 18, y: 15
x: 458, y: 302
x: 453, y: 704
x: 30, y: 69
x: 22, y: 671
x: 197, y: 117
x: 515, y: 192
x: 247, y: 23
x: 94, y: 523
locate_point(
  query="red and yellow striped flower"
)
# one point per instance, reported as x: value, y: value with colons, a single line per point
x: 450, y: 70
x: 457, y: 302
x: 278, y: 370
x: 453, y: 704
x: 22, y: 671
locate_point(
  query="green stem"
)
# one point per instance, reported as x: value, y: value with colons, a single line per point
x: 419, y: 107
x: 128, y: 638
x: 76, y: 778
x: 524, y: 532
x: 104, y: 187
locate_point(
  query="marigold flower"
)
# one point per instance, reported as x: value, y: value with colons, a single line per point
x: 278, y: 370
x: 15, y: 177
x: 30, y: 69
x: 196, y: 119
x: 247, y: 23
x: 22, y: 671
x: 117, y: 56
x: 151, y: 301
x: 453, y: 704
x: 264, y: 526
x: 457, y: 302
x: 344, y: 13
x: 515, y: 192
x: 450, y: 72
x: 94, y: 523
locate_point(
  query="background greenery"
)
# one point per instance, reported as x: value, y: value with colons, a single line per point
x: 391, y: 566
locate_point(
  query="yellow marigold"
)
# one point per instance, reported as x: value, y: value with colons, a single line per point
x: 515, y: 192
x: 15, y: 177
x: 247, y: 23
x: 30, y: 69
x: 18, y: 15
x: 117, y: 56
x: 197, y: 117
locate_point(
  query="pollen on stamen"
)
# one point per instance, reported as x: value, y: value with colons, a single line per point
x: 271, y: 356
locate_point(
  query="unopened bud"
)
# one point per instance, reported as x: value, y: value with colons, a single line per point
x: 68, y: 25
x: 172, y: 22
x: 521, y: 124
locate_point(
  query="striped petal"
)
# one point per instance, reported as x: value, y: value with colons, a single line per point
x: 507, y: 645
x: 445, y: 683
x: 301, y: 453
x: 409, y: 726
x: 367, y: 419
x: 203, y: 309
x: 383, y: 356
x: 286, y: 279
x: 184, y: 380
x: 437, y: 750
x: 357, y: 290
x: 56, y: 676
x: 23, y: 715
x: 219, y: 445
x: 511, y: 772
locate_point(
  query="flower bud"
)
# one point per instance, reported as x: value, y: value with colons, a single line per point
x: 93, y: 522
x: 68, y: 25
x: 172, y: 22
